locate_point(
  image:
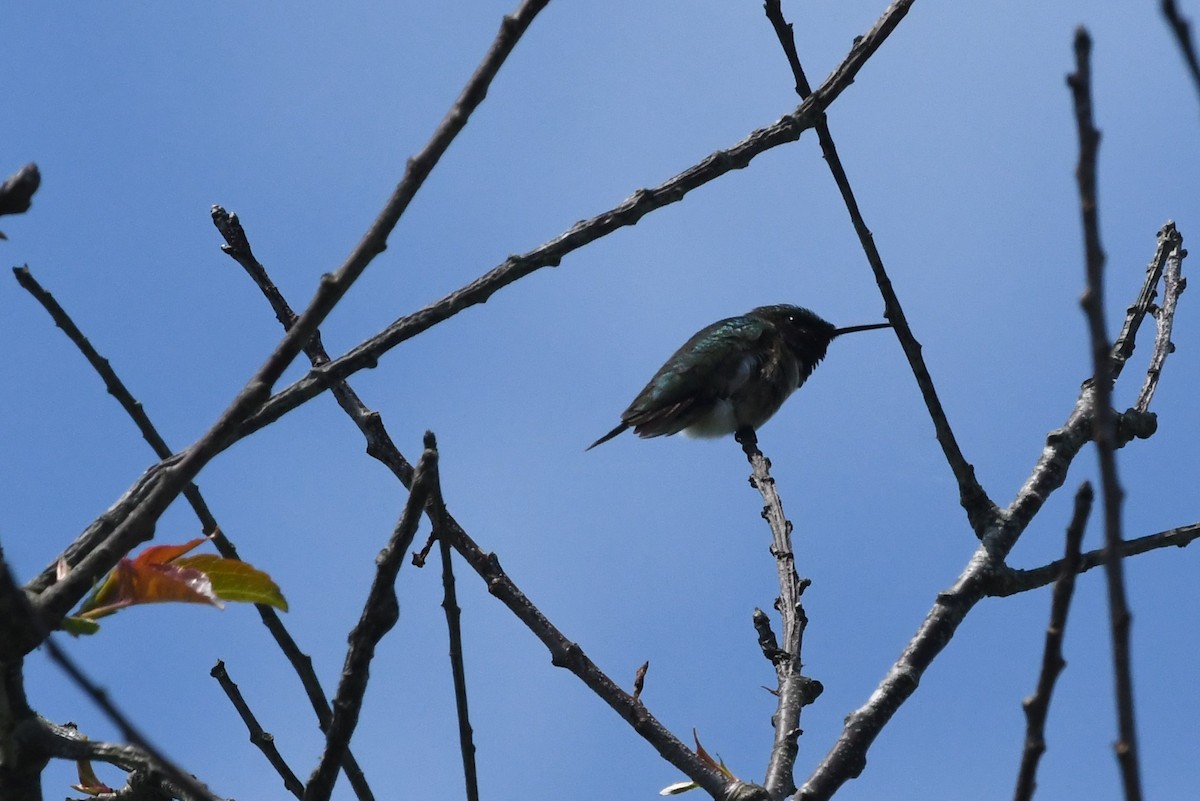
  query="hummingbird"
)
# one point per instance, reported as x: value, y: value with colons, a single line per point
x: 733, y: 375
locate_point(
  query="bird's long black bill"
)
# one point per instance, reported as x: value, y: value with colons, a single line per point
x: 854, y: 328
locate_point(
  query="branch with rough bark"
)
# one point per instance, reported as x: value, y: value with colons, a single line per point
x: 848, y: 756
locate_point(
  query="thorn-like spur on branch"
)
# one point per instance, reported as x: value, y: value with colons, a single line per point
x: 981, y: 511
x: 1037, y: 705
x: 642, y: 202
x: 639, y: 681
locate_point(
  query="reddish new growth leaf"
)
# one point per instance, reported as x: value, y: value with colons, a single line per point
x: 163, y: 573
x: 150, y: 577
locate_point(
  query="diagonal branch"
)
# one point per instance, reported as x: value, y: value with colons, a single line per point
x: 980, y: 509
x: 136, y: 513
x: 848, y: 757
x: 300, y: 661
x: 263, y: 740
x: 564, y: 652
x: 788, y: 129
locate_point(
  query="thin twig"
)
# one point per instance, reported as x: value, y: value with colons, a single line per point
x: 1173, y: 285
x: 780, y: 780
x: 1011, y: 582
x: 848, y: 757
x: 1183, y: 35
x: 300, y: 661
x: 466, y: 736
x: 152, y: 494
x: 1037, y: 705
x: 263, y: 740
x: 379, y: 615
x: 974, y: 499
x: 1103, y: 420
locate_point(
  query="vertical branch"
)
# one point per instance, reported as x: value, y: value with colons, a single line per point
x: 1037, y: 705
x: 466, y: 737
x: 1103, y: 419
x: 793, y: 688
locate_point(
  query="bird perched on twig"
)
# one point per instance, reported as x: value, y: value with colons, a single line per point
x: 731, y: 376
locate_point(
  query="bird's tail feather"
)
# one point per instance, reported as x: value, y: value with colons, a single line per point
x: 607, y: 436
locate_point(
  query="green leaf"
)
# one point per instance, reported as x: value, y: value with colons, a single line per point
x: 236, y: 581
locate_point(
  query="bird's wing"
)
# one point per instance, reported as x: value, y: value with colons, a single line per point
x: 711, y: 366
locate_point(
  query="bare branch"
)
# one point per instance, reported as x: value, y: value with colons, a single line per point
x: 379, y: 615
x: 145, y: 781
x: 848, y: 757
x: 1103, y: 421
x: 263, y: 740
x: 1037, y: 705
x: 974, y: 499
x: 1011, y: 582
x: 1173, y: 285
x: 780, y: 780
x: 466, y: 736
x: 1183, y: 35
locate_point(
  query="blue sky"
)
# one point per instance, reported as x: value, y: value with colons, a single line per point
x: 959, y: 139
